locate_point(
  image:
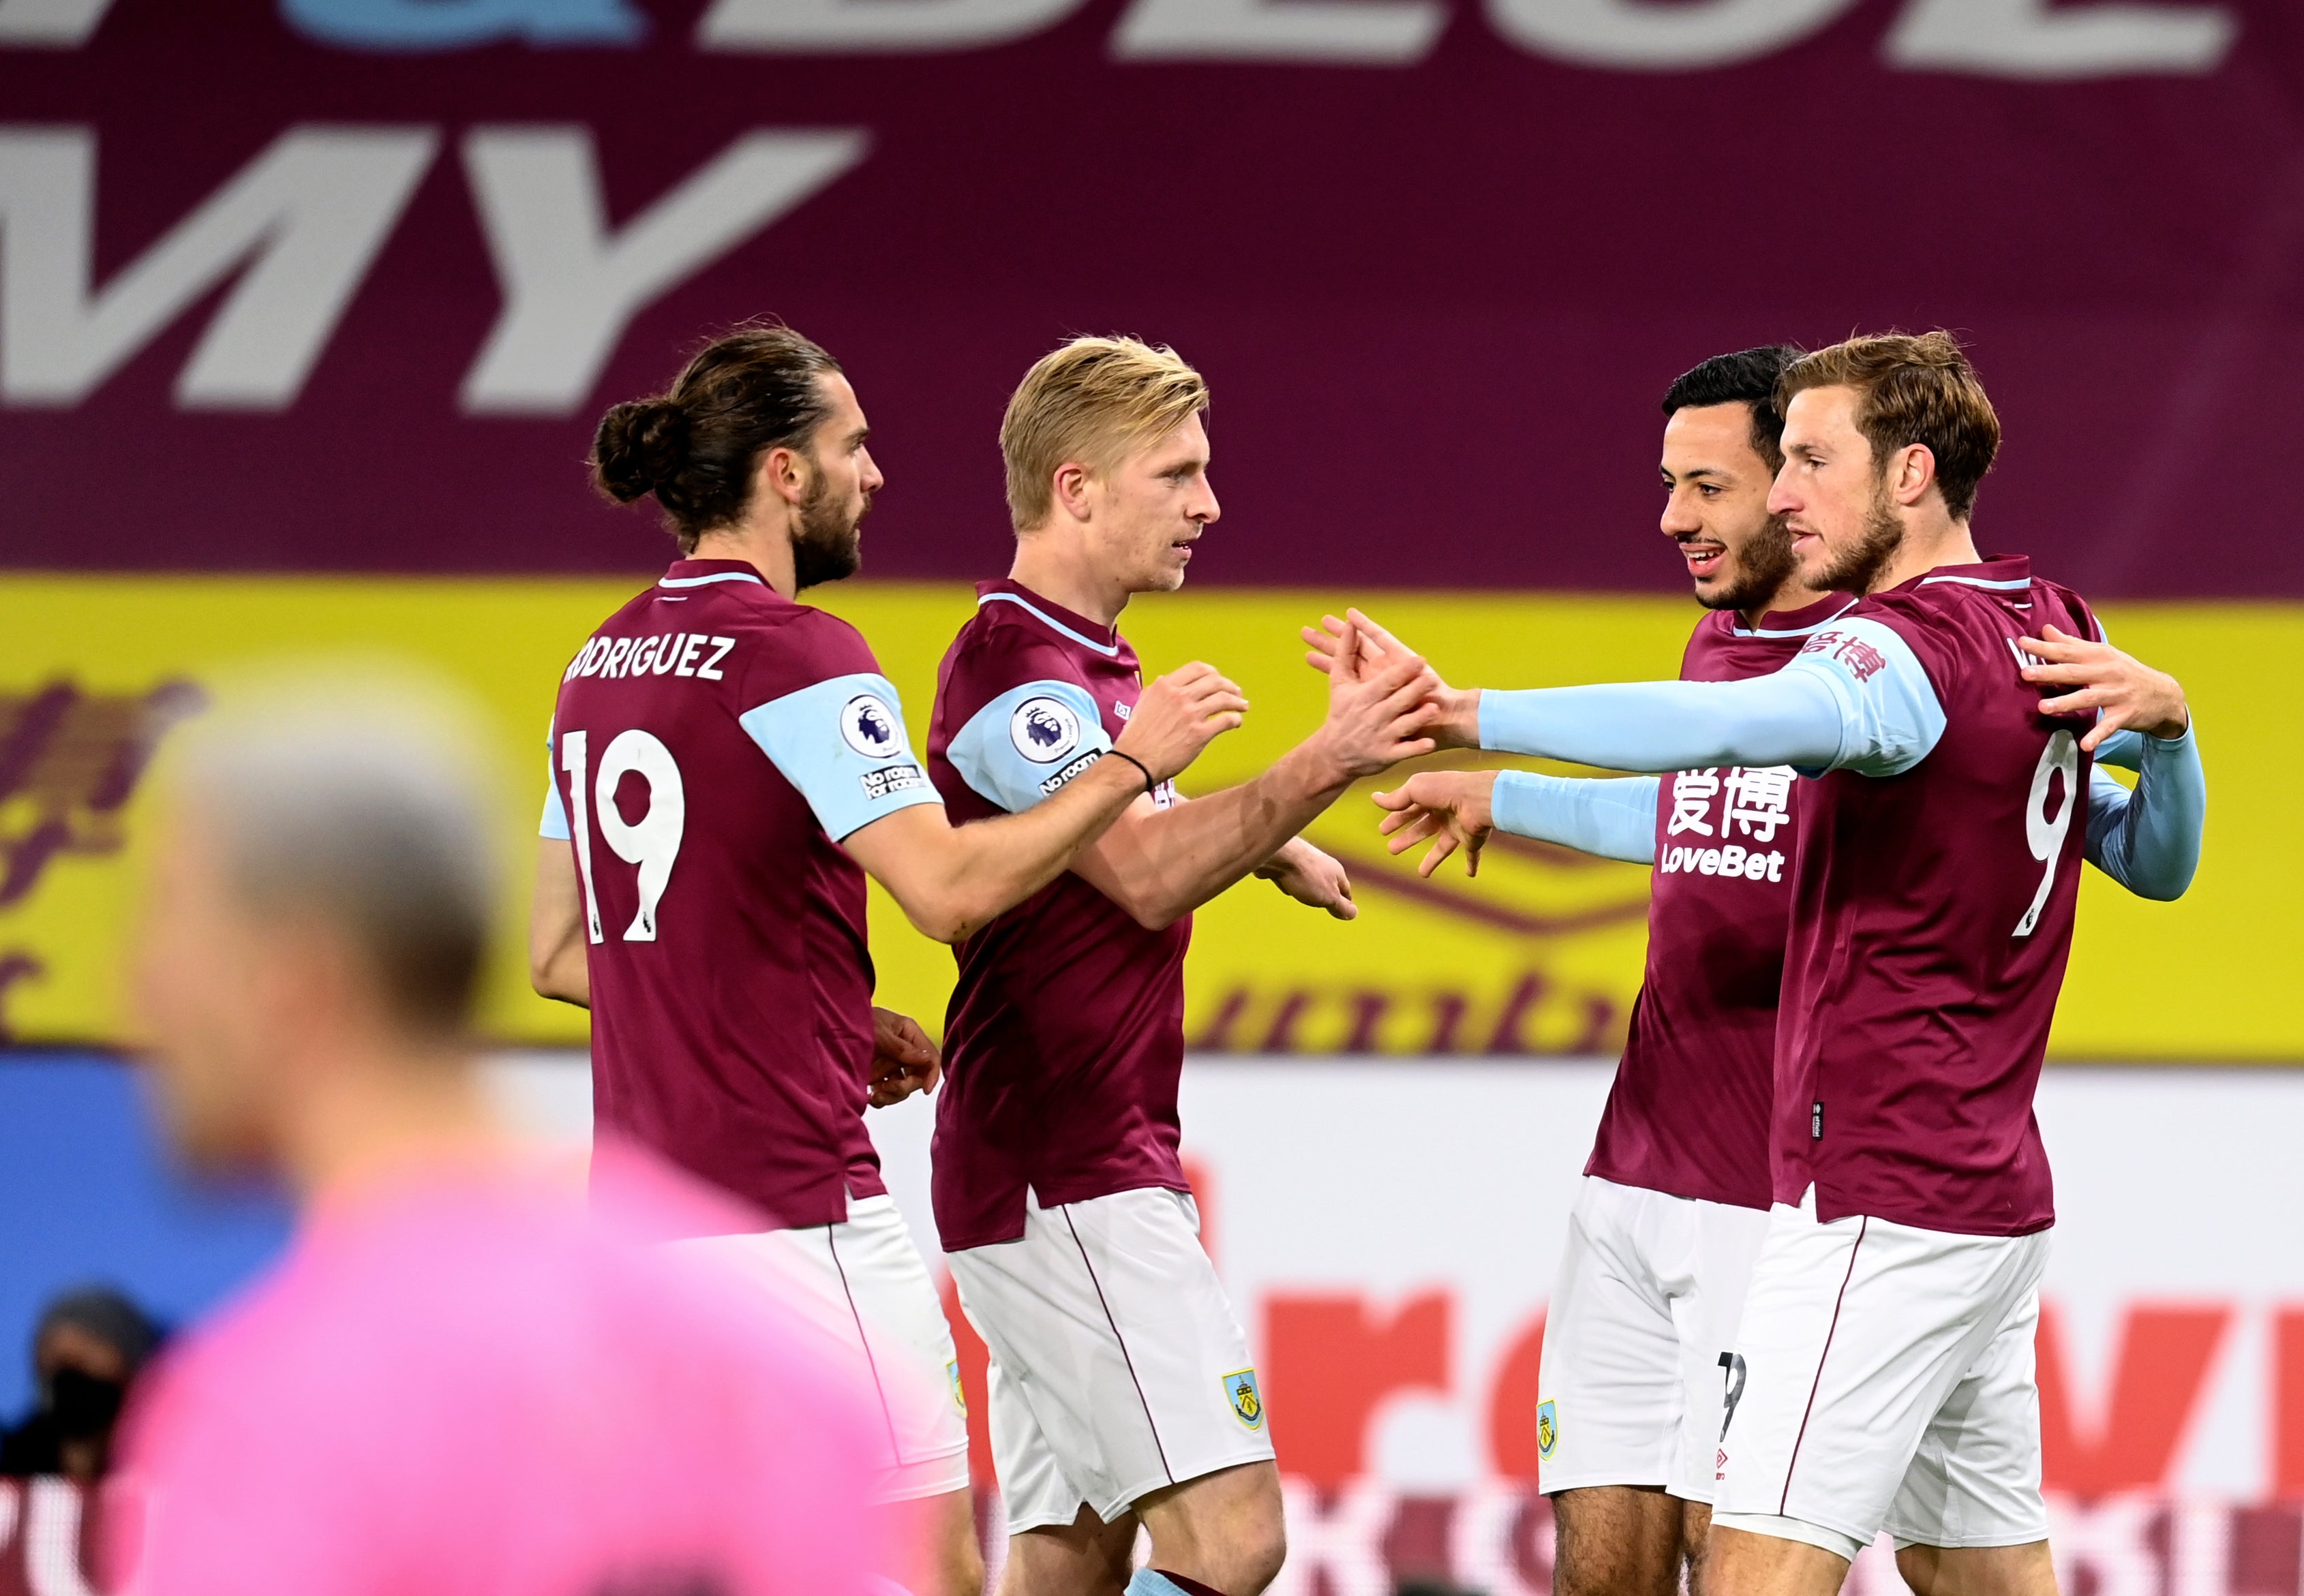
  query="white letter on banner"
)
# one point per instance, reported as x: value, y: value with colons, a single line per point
x: 570, y: 286
x: 1647, y: 36
x: 50, y: 24
x: 2030, y: 38
x: 834, y: 27
x: 1369, y: 32
x: 306, y: 218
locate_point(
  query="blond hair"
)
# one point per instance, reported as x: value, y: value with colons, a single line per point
x: 1091, y: 401
x: 1910, y: 390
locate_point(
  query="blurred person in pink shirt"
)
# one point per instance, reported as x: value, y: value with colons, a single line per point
x: 461, y: 1379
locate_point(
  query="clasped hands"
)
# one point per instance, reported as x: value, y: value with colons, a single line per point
x: 1452, y: 809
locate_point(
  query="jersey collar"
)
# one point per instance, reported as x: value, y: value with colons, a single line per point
x: 707, y: 573
x: 1079, y: 629
x: 1999, y: 573
x: 1795, y: 623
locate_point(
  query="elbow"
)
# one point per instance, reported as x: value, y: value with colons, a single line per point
x: 2172, y: 887
x: 1152, y: 910
x: 952, y: 917
x: 559, y: 975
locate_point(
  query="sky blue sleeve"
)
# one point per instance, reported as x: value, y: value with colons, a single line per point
x: 554, y: 825
x: 1855, y: 698
x: 1613, y: 819
x: 1028, y: 742
x: 2124, y: 748
x: 2149, y: 841
x: 841, y: 742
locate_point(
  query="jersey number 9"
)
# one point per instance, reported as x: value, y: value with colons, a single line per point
x: 653, y: 843
x: 2043, y: 831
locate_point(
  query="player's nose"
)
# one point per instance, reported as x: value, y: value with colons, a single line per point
x: 868, y: 477
x: 1679, y: 517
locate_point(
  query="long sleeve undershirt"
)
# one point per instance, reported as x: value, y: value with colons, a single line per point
x: 1873, y: 712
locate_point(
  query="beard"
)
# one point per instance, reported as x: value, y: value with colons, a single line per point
x: 827, y: 543
x: 1858, y: 566
x: 1763, y: 565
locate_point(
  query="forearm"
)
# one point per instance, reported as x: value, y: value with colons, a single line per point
x: 558, y: 964
x: 1161, y: 866
x: 955, y: 881
x: 564, y: 975
x: 1612, y: 819
x: 2149, y: 841
x: 1783, y: 719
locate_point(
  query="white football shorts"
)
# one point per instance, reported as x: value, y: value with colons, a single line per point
x: 1117, y: 1367
x: 1637, y: 1338
x: 1887, y: 1384
x: 865, y: 1286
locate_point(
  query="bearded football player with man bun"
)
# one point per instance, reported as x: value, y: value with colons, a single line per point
x: 727, y: 765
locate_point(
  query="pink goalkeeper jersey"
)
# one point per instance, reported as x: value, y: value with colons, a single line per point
x: 1932, y: 916
x: 713, y: 743
x: 1688, y: 1111
x: 460, y: 1383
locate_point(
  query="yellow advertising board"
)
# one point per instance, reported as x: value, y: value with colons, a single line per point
x: 1541, y: 954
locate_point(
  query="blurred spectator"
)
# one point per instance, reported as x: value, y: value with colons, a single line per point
x: 459, y: 1381
x: 87, y: 1352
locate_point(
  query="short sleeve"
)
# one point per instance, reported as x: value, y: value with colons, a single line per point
x: 1028, y: 742
x: 1890, y: 717
x: 841, y: 742
x: 553, y: 827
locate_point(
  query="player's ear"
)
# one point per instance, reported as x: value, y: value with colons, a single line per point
x: 1913, y: 472
x: 782, y: 473
x: 1069, y: 489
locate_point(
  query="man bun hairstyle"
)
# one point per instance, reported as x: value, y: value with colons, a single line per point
x: 1093, y: 401
x: 697, y: 447
x: 1911, y: 389
x: 1747, y: 377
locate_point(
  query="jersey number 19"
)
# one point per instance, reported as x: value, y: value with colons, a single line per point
x: 654, y: 843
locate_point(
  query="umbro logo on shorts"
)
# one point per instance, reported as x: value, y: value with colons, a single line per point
x: 1247, y: 1402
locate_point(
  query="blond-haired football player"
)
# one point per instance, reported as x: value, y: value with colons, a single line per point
x: 1122, y: 1390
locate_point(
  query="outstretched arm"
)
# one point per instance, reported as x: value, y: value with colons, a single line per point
x: 1160, y: 865
x: 1855, y: 698
x: 952, y: 881
x: 1863, y: 703
x: 1613, y: 818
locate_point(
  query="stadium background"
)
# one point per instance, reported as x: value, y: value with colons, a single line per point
x: 306, y: 310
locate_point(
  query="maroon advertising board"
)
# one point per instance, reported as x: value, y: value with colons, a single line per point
x: 343, y: 284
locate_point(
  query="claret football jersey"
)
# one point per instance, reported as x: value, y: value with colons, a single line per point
x: 1932, y: 909
x: 1688, y: 1111
x: 712, y: 744
x: 1065, y: 1036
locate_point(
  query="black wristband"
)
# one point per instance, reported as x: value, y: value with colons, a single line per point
x: 1151, y: 788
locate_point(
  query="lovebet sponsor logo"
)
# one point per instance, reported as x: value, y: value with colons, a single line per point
x: 1732, y: 860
